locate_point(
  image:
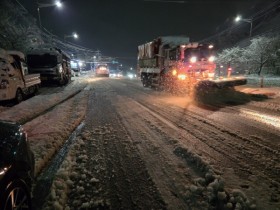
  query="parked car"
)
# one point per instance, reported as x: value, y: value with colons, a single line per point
x: 16, y: 167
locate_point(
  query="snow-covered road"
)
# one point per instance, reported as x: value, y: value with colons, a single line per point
x: 146, y: 149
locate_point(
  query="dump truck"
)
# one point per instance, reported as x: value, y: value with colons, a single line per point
x: 51, y: 63
x: 15, y: 80
x: 174, y: 63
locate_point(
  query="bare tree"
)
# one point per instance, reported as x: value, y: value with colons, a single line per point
x: 261, y: 50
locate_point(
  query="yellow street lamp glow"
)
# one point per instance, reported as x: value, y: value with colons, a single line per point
x: 174, y: 72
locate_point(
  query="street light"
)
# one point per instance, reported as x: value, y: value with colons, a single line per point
x: 248, y: 20
x: 41, y: 5
x: 74, y: 35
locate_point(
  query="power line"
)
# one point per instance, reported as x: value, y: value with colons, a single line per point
x: 50, y: 36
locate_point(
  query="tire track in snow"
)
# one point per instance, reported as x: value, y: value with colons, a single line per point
x: 230, y: 145
x: 123, y: 181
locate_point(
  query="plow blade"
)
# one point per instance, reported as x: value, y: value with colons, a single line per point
x: 228, y: 82
x: 220, y: 83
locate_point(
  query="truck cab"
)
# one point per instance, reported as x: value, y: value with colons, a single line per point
x: 52, y: 64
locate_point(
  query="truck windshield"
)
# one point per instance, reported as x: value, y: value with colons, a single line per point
x: 42, y: 61
x: 200, y: 53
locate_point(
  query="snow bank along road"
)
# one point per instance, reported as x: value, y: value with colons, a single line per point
x: 145, y: 149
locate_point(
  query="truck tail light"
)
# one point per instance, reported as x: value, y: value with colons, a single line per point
x: 4, y: 84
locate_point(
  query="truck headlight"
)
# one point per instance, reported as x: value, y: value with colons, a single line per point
x: 60, y: 69
x: 211, y: 58
x: 193, y: 59
x: 174, y: 72
x: 211, y: 75
x: 182, y: 76
x: 4, y: 84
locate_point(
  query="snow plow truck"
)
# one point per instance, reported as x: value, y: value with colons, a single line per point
x: 174, y: 63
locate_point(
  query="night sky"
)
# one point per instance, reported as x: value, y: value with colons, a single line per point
x: 117, y: 27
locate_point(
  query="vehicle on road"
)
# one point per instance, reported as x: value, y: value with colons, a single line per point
x: 102, y: 70
x: 131, y: 75
x: 16, y: 167
x: 116, y: 74
x: 15, y: 81
x: 51, y: 63
x: 173, y: 62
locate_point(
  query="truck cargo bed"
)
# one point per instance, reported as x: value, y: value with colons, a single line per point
x: 32, y: 79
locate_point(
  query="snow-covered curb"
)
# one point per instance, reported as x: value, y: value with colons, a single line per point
x: 48, y: 132
x: 71, y: 170
x: 25, y: 110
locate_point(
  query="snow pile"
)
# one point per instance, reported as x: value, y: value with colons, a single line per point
x: 61, y: 184
x: 211, y: 186
x: 74, y: 176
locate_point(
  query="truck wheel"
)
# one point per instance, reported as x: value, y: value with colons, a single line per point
x: 62, y: 81
x: 66, y: 79
x: 36, y: 90
x: 19, y: 96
